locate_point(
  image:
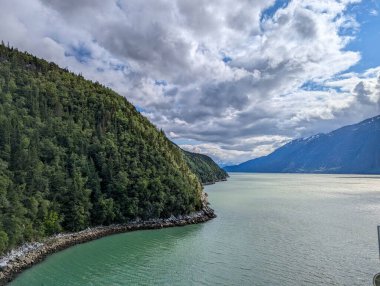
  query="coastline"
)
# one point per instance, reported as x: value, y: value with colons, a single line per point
x: 34, y: 253
x: 214, y: 182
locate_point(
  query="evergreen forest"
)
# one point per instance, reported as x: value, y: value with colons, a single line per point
x: 74, y: 154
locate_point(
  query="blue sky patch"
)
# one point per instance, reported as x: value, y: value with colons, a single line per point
x: 160, y: 82
x: 269, y: 13
x: 226, y: 59
x: 367, y: 39
x: 81, y: 53
x: 140, y: 109
x: 313, y: 86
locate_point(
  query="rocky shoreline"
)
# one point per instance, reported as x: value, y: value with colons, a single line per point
x: 214, y: 182
x: 30, y: 254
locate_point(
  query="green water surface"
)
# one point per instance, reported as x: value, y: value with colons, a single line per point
x: 272, y: 229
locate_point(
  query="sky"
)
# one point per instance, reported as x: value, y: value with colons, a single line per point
x: 231, y: 79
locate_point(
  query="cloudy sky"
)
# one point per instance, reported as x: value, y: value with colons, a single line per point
x: 233, y: 79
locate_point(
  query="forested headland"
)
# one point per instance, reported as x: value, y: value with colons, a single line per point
x: 75, y: 154
x: 205, y: 168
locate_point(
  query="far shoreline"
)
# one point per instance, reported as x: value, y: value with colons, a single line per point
x: 16, y: 265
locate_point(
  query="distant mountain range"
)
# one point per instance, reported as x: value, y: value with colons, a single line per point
x: 350, y: 149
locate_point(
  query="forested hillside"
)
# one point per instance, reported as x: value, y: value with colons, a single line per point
x: 205, y: 168
x: 74, y: 154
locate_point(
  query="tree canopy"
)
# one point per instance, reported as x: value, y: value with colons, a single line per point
x: 75, y: 154
x: 205, y: 168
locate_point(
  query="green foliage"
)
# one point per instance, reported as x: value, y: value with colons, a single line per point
x: 3, y: 241
x: 74, y: 154
x: 205, y: 168
x: 52, y: 223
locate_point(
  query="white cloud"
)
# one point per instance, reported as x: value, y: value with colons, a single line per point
x: 245, y: 149
x: 217, y: 72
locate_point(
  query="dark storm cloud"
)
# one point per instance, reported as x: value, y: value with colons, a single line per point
x: 305, y: 25
x: 224, y: 95
x: 362, y: 94
x: 154, y: 49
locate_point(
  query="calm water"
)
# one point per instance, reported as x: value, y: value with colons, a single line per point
x: 271, y: 229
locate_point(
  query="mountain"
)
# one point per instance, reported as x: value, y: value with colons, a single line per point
x: 75, y: 154
x: 205, y: 168
x: 350, y: 149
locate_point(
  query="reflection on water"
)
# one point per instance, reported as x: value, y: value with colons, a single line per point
x: 272, y: 229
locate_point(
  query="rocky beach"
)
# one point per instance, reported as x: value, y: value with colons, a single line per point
x: 30, y: 254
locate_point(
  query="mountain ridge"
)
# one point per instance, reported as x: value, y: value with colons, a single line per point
x: 350, y: 149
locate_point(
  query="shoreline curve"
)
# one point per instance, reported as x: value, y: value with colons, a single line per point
x: 63, y: 241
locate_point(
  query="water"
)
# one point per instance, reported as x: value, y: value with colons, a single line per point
x: 272, y: 229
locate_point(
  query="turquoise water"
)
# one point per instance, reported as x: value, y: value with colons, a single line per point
x: 272, y: 229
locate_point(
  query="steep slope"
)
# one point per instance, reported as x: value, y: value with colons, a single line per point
x: 205, y: 168
x: 74, y: 154
x: 350, y: 149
